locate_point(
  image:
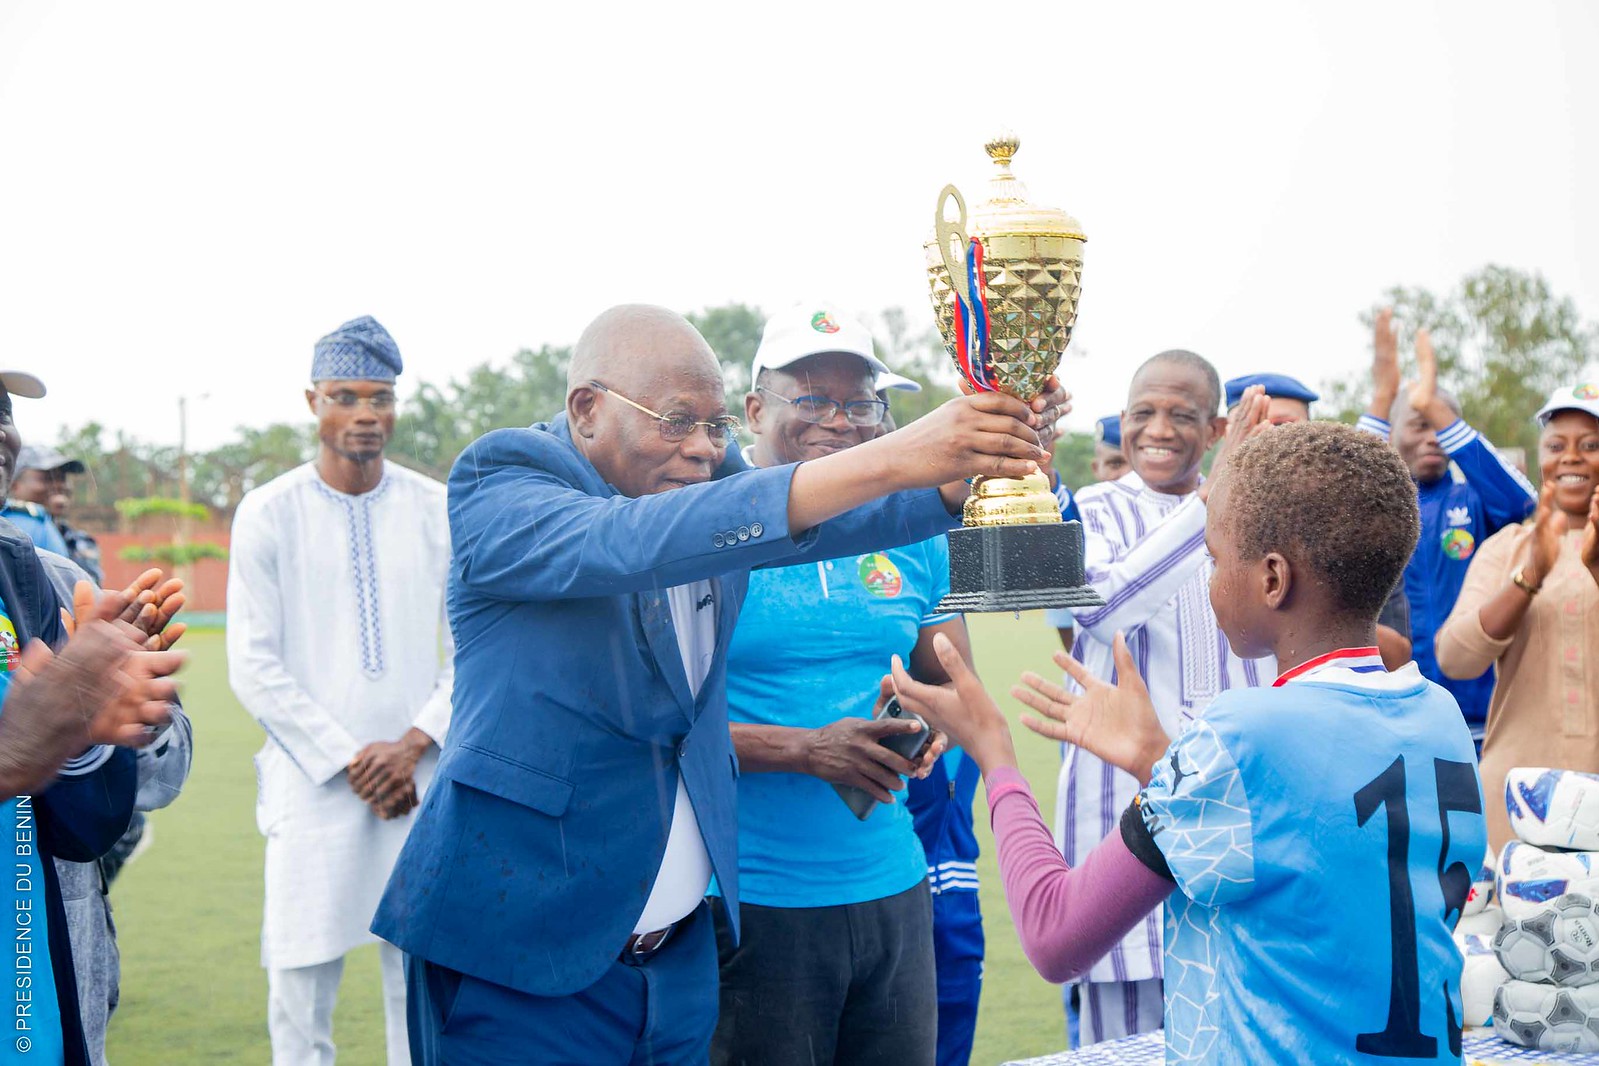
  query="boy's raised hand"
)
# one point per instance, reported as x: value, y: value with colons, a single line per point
x: 961, y: 709
x: 1115, y: 722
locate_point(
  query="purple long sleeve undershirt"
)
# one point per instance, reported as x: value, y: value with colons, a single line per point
x: 1067, y: 918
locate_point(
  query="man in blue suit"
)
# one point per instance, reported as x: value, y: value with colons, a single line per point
x: 550, y: 897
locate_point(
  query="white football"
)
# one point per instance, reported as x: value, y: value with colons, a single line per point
x: 1480, y: 979
x: 1558, y: 943
x: 1529, y: 876
x: 1547, y: 1017
x: 1482, y: 887
x: 1483, y: 923
x: 1554, y: 808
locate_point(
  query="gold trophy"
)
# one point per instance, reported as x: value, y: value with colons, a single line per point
x: 1005, y: 284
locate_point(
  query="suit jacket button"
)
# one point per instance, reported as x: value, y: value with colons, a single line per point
x: 756, y: 529
x: 718, y: 540
x: 743, y: 532
x: 682, y: 750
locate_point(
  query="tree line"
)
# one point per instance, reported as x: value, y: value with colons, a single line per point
x: 1504, y: 339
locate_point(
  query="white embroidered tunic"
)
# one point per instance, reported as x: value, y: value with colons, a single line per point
x: 337, y: 637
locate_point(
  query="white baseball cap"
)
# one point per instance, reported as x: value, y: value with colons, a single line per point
x: 811, y: 329
x: 890, y: 380
x: 22, y: 383
x: 1583, y: 396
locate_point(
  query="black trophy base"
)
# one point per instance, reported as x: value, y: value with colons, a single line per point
x: 1017, y: 568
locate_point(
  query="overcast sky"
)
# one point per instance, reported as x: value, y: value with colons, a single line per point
x: 191, y: 194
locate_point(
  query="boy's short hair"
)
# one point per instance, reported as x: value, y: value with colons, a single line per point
x: 1330, y: 498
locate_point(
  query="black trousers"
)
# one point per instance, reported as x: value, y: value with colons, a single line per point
x: 852, y: 985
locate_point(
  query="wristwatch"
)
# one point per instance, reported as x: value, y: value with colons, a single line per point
x: 1520, y: 581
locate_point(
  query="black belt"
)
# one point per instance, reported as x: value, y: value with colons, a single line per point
x: 641, y: 947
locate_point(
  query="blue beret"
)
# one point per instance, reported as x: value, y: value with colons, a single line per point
x: 1108, y: 431
x: 359, y: 350
x: 1276, y: 385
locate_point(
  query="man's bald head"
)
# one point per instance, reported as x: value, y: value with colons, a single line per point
x: 637, y: 346
x: 645, y: 357
x: 1401, y: 407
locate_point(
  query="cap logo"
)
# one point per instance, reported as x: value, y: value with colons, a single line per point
x: 1589, y: 391
x: 822, y: 322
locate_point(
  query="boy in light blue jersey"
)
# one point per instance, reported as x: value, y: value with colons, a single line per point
x: 1312, y: 841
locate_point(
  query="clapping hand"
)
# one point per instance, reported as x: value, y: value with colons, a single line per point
x: 1590, y: 538
x: 1248, y: 419
x: 1422, y: 394
x: 1115, y: 722
x: 152, y: 604
x: 103, y: 688
x: 1548, y: 531
x: 1384, y: 366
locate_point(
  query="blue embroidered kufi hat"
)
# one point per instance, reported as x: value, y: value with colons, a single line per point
x: 1108, y: 431
x: 359, y: 350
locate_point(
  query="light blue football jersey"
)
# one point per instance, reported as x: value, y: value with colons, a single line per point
x: 1323, y: 834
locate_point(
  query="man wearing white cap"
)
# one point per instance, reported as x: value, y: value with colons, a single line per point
x: 836, y: 958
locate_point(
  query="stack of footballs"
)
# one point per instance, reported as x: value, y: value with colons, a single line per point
x: 1546, y: 883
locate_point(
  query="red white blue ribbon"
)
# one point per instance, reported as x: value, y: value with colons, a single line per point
x: 972, y: 325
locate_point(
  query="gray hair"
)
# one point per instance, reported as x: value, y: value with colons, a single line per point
x: 1402, y: 404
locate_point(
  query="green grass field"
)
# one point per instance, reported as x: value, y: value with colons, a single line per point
x: 189, y: 910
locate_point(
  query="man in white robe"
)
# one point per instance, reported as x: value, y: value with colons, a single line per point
x: 338, y: 646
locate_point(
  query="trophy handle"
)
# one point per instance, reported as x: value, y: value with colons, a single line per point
x: 952, y: 243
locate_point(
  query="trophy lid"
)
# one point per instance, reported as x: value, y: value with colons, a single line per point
x: 1007, y: 209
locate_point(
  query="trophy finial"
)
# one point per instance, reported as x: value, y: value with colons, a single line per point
x: 1002, y: 146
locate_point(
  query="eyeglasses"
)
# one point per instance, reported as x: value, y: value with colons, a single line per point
x: 674, y: 428
x: 820, y: 409
x: 383, y: 401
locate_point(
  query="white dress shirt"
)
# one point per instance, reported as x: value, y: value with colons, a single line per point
x: 685, y: 871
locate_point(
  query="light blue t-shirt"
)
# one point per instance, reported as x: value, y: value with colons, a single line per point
x: 812, y: 644
x: 1316, y: 895
x: 36, y: 522
x: 36, y: 1038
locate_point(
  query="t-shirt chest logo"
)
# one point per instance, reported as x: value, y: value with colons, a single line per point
x: 1458, y: 516
x: 9, y: 650
x: 1458, y: 543
x: 879, y: 574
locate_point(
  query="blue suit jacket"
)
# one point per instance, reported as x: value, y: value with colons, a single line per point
x: 539, y: 840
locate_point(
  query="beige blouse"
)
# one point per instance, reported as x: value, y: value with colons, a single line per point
x: 1545, y: 707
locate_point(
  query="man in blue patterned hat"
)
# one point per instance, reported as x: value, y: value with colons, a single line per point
x: 335, y: 630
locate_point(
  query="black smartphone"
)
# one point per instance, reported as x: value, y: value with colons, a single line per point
x: 910, y: 745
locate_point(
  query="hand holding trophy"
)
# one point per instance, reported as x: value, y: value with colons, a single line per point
x: 1005, y: 283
